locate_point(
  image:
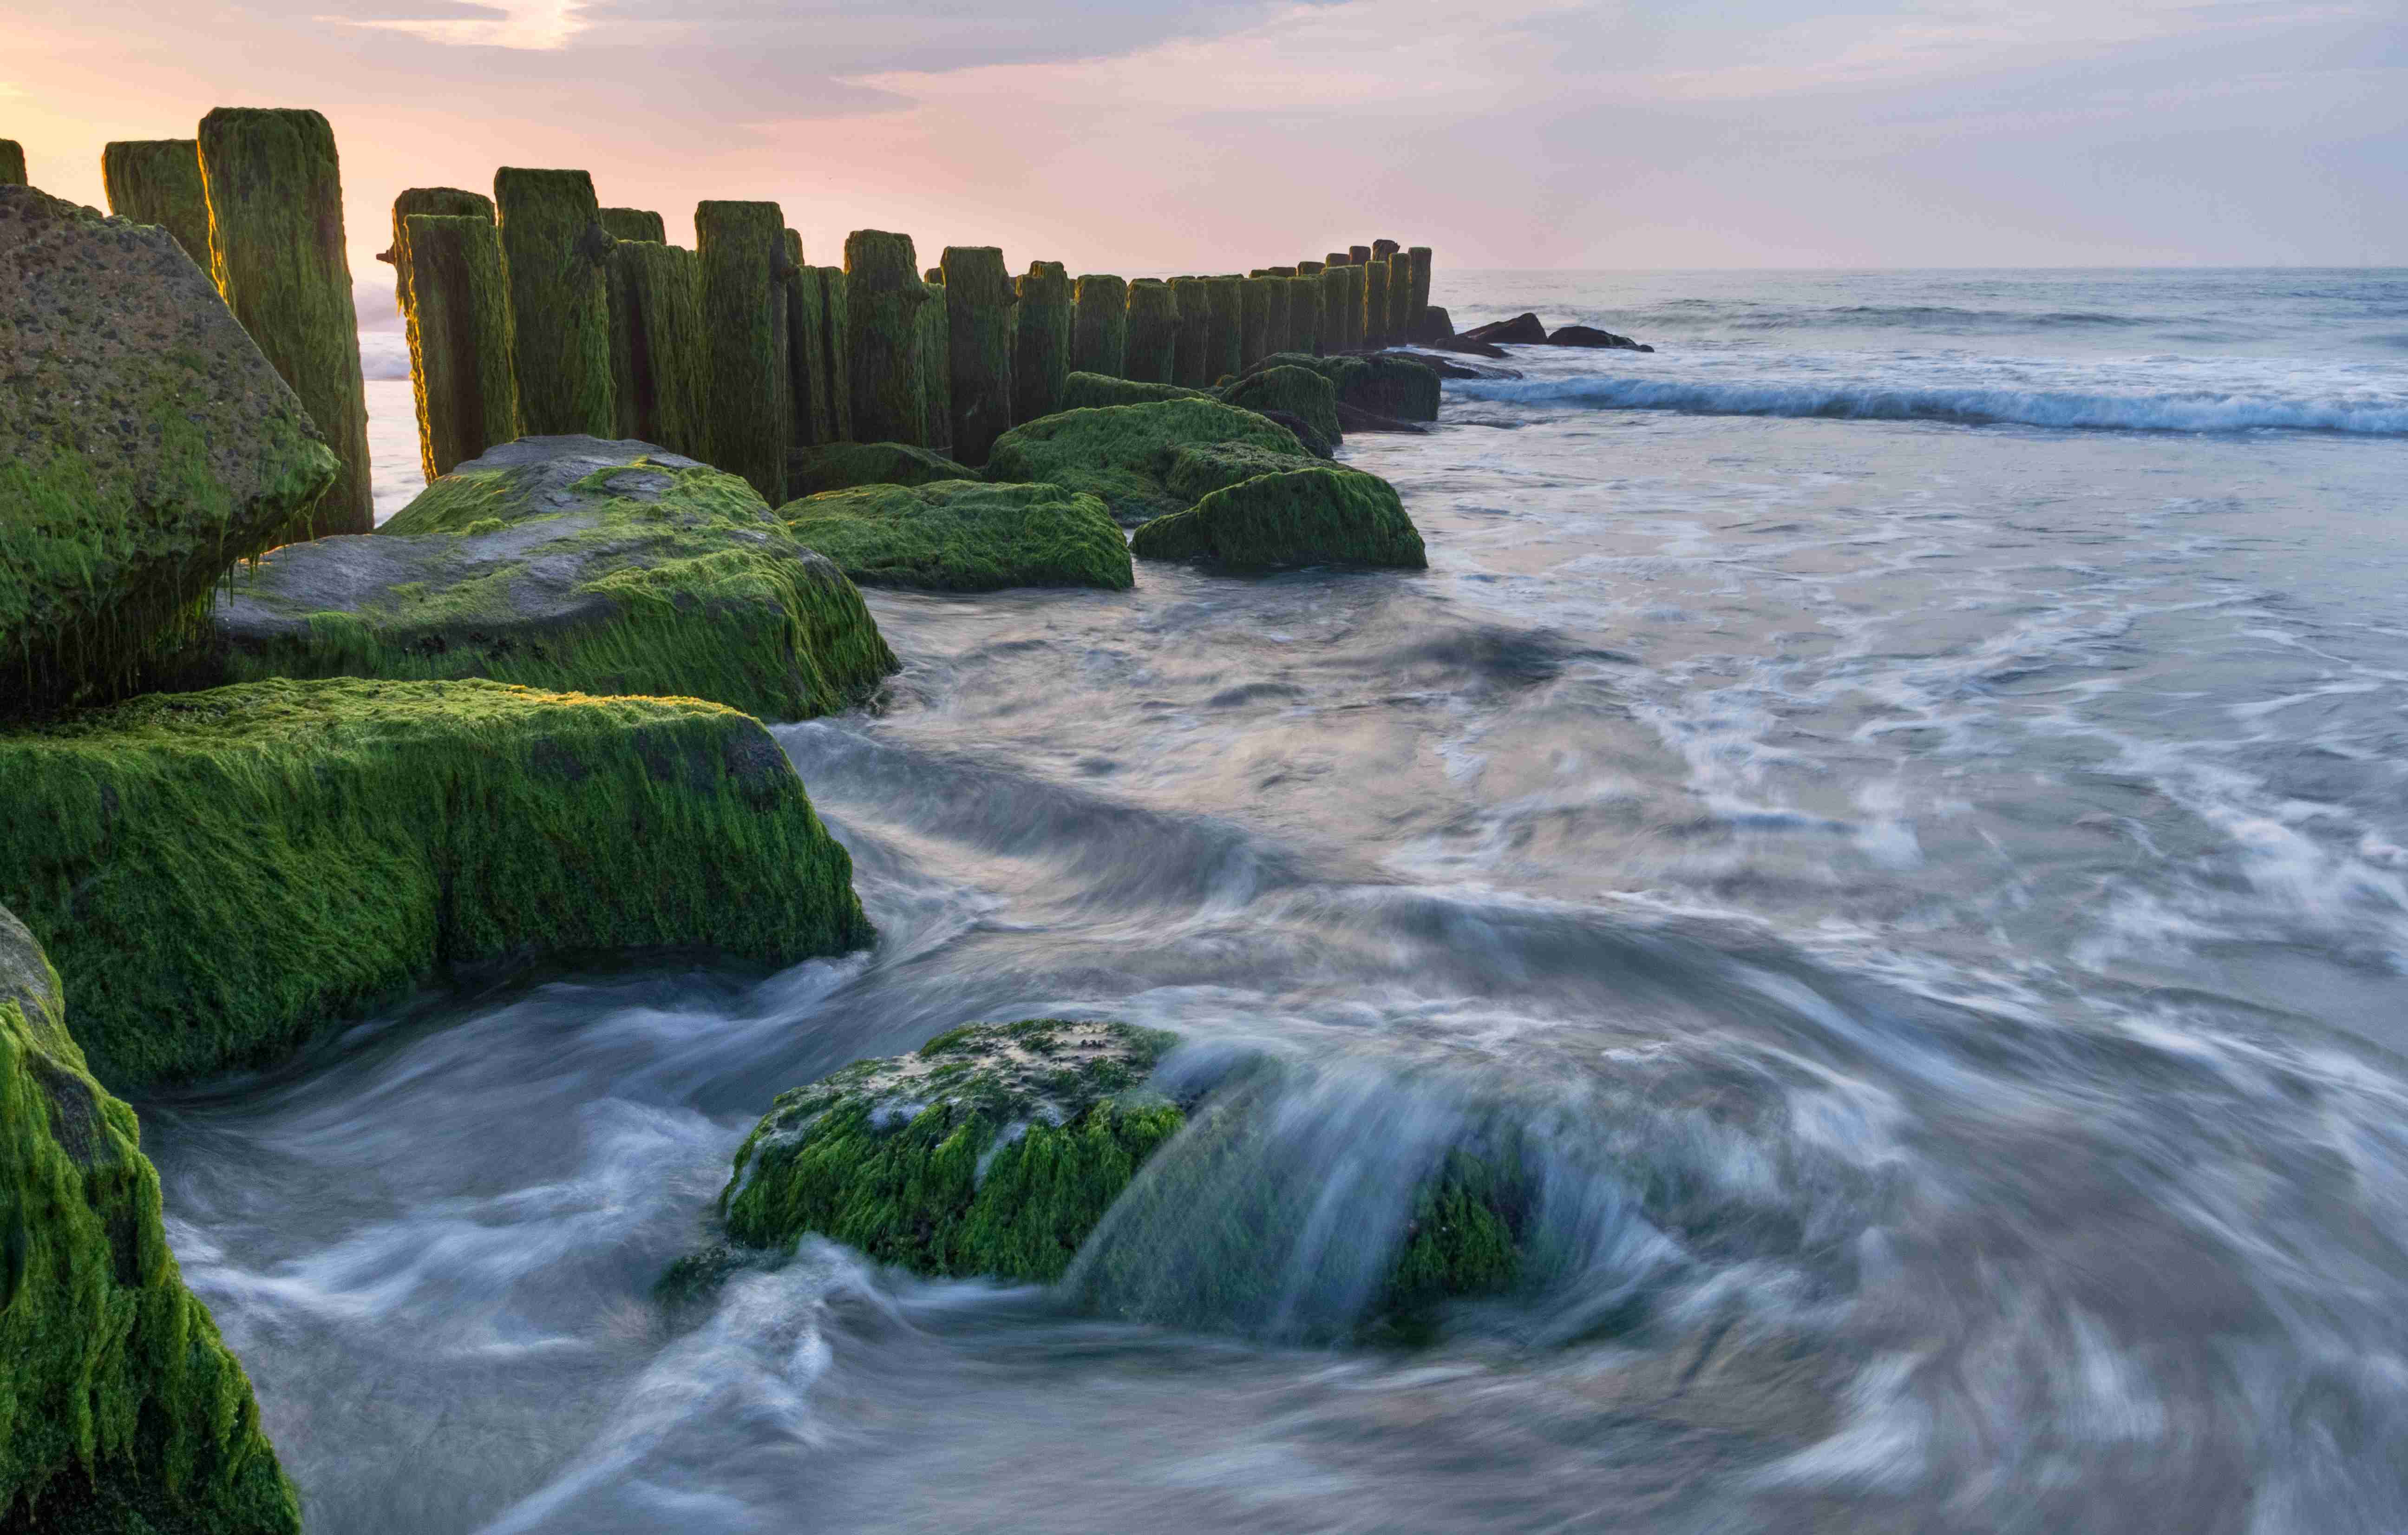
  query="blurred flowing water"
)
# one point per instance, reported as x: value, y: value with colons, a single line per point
x: 1923, y: 887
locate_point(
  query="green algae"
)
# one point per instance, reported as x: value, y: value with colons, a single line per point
x: 1224, y: 338
x: 980, y: 326
x: 1253, y: 320
x: 460, y: 339
x: 741, y: 247
x: 965, y: 535
x: 993, y: 1150
x: 1375, y: 304
x: 446, y: 202
x: 1100, y: 326
x: 12, y: 163
x: 1417, y: 304
x: 158, y: 180
x: 835, y: 330
x: 1149, y: 335
x: 810, y: 385
x: 633, y: 223
x: 1040, y: 354
x: 885, y: 293
x: 661, y: 362
x: 1318, y: 515
x: 1091, y: 390
x: 842, y: 466
x: 1390, y: 385
x: 1299, y: 391
x: 1117, y: 452
x: 216, y: 874
x: 1193, y: 357
x: 121, y: 1410
x: 277, y: 252
x: 935, y: 368
x: 553, y: 248
x: 1303, y: 314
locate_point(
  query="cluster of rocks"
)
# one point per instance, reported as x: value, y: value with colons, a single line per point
x: 1528, y: 330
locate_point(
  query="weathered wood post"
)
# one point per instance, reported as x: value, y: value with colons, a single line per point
x: 635, y: 224
x: 1402, y: 314
x: 277, y: 252
x: 12, y: 168
x: 1382, y: 249
x: 937, y: 366
x: 1225, y: 342
x: 1278, y: 334
x: 980, y: 318
x: 741, y: 247
x: 158, y: 180
x: 835, y: 334
x: 553, y: 248
x: 1192, y: 295
x: 1304, y: 313
x: 806, y: 350
x: 1375, y: 303
x: 1335, y: 293
x: 667, y: 387
x: 1100, y: 326
x: 459, y: 320
x: 1040, y: 356
x: 1253, y: 320
x: 443, y: 202
x: 1419, y: 306
x: 885, y: 294
x: 1151, y: 353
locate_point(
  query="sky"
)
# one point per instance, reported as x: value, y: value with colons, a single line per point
x: 1184, y: 134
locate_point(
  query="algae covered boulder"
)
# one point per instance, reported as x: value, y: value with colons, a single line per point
x: 1118, y: 453
x: 121, y: 1410
x: 1389, y: 384
x: 1299, y: 391
x: 216, y: 874
x: 567, y: 563
x: 842, y: 466
x: 993, y: 1150
x: 965, y: 535
x: 1089, y: 391
x: 145, y: 445
x: 1319, y: 515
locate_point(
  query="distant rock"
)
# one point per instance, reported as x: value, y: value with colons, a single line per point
x: 1389, y: 383
x: 1432, y: 324
x: 1522, y: 330
x: 1465, y: 345
x: 840, y: 465
x: 964, y: 535
x: 1321, y: 515
x: 1588, y: 336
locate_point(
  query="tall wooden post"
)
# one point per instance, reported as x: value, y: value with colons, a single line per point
x: 1040, y: 358
x: 937, y: 366
x: 1100, y: 326
x: 1225, y: 343
x: 459, y: 322
x: 1419, y: 305
x: 808, y: 388
x: 1150, y: 354
x: 1253, y: 320
x: 836, y: 331
x: 158, y: 180
x: 980, y: 319
x: 1192, y: 298
x: 12, y: 166
x: 742, y: 249
x: 633, y: 223
x: 1304, y: 313
x: 885, y: 296
x: 665, y: 389
x: 553, y: 248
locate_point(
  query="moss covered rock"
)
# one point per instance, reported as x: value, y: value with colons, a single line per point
x: 991, y: 1150
x: 1306, y: 516
x: 119, y: 1409
x: 842, y: 466
x: 145, y: 446
x: 218, y: 873
x: 1092, y: 391
x: 1296, y: 389
x: 965, y: 535
x: 1388, y: 385
x: 566, y: 563
x: 1118, y: 453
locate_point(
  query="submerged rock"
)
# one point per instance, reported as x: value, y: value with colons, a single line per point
x: 1589, y: 335
x: 965, y: 535
x: 1117, y: 454
x: 216, y: 874
x: 565, y: 563
x: 842, y: 466
x: 1320, y: 515
x: 122, y: 1410
x: 1522, y: 330
x: 145, y: 446
x: 1299, y: 391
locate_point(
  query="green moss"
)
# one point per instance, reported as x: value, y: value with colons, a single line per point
x: 1272, y: 521
x: 661, y: 345
x: 12, y: 163
x: 158, y: 180
x: 553, y: 248
x: 1375, y: 304
x: 1418, y: 301
x: 836, y: 329
x: 145, y: 446
x: 1390, y: 385
x: 277, y: 252
x: 1225, y: 339
x: 965, y: 535
x: 120, y: 1408
x: 633, y: 223
x: 810, y: 385
x: 1402, y: 316
x: 980, y: 326
x: 1299, y: 391
x: 1117, y: 454
x: 444, y: 202
x: 994, y: 1151
x: 1100, y: 326
x: 886, y: 294
x: 217, y: 874
x: 459, y: 339
x: 1041, y: 353
x: 741, y: 249
x: 935, y: 368
x: 1092, y: 391
x: 1253, y: 320
x: 1194, y: 358
x: 1303, y: 314
x: 842, y: 466
x: 1336, y: 296
x: 643, y: 577
x: 1150, y: 351
x: 1278, y: 323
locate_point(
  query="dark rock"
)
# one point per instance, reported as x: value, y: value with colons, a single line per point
x: 1589, y: 335
x: 1520, y: 331
x: 1321, y: 515
x: 1466, y: 346
x: 842, y: 466
x: 1355, y: 419
x: 1433, y: 323
x: 1314, y: 443
x: 1290, y: 389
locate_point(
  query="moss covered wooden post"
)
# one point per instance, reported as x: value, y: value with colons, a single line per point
x: 1400, y: 298
x: 277, y: 252
x: 158, y: 180
x: 1336, y: 258
x: 442, y: 202
x: 1224, y: 342
x: 1041, y: 355
x: 1100, y: 326
x: 807, y: 351
x: 1375, y: 304
x: 1253, y: 320
x: 459, y: 337
x: 1192, y: 298
x: 1304, y: 313
x: 1149, y: 352
x: 635, y: 224
x: 937, y: 366
x: 980, y: 324
x: 1358, y: 255
x: 12, y: 170
x: 1279, y: 332
x: 741, y: 247
x: 1419, y: 305
x: 1334, y: 293
x: 553, y: 248
x: 836, y: 331
x: 667, y: 387
x: 885, y: 294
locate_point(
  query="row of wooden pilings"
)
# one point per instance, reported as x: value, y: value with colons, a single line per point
x: 536, y: 311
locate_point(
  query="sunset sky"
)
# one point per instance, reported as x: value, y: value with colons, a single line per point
x: 1506, y: 133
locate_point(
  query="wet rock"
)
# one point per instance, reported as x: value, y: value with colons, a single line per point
x: 1355, y: 419
x: 1388, y: 383
x: 842, y: 466
x: 1117, y: 454
x: 1094, y: 391
x: 1588, y: 336
x: 146, y: 445
x: 1522, y: 330
x: 1321, y: 515
x: 1314, y: 443
x: 1466, y: 346
x: 964, y: 535
x: 1295, y: 390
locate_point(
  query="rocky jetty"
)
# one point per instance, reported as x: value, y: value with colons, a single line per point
x: 964, y: 535
x: 1118, y: 453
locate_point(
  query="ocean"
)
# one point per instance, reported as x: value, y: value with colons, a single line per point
x: 1894, y: 801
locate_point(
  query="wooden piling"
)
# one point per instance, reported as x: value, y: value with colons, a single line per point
x: 1419, y: 308
x: 553, y: 248
x: 741, y: 247
x: 885, y: 296
x: 665, y: 387
x: 635, y: 224
x: 1335, y: 293
x: 1401, y: 313
x: 1040, y: 357
x: 12, y: 166
x: 809, y: 387
x: 1150, y: 351
x: 1375, y: 304
x: 1304, y: 313
x: 1253, y: 320
x: 1192, y: 298
x: 835, y: 334
x: 1100, y: 326
x: 459, y: 324
x: 981, y: 315
x: 937, y: 367
x: 1225, y: 342
x: 158, y: 180
x: 277, y: 251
